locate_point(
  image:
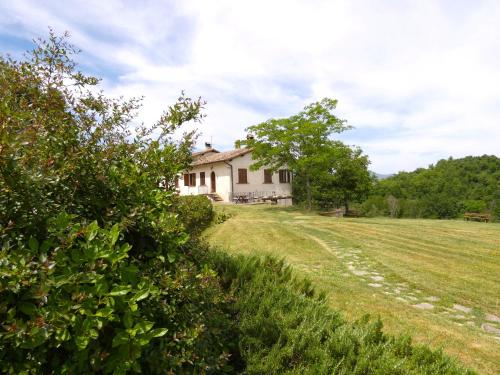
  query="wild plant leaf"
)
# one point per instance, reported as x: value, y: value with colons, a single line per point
x: 114, y: 234
x: 158, y: 332
x: 120, y: 290
x: 128, y: 319
x: 105, y: 312
x: 63, y: 335
x: 140, y: 296
x: 143, y: 327
x: 121, y: 338
x: 33, y: 244
x: 81, y: 342
x: 92, y: 230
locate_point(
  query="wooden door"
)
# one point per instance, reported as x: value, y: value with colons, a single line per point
x: 212, y: 182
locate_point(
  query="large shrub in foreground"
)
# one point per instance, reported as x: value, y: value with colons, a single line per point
x: 97, y: 274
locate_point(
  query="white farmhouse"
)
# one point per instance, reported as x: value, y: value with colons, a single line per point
x: 226, y: 176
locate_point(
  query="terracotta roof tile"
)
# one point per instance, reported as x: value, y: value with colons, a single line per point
x: 203, y: 152
x: 220, y: 156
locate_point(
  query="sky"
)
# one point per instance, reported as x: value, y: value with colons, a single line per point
x: 418, y: 80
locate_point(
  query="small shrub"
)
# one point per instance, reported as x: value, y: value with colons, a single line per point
x: 71, y: 304
x: 221, y: 216
x: 196, y: 212
x: 374, y: 206
x: 410, y: 208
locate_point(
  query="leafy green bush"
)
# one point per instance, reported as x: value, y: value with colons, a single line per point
x: 285, y: 327
x: 474, y: 205
x: 97, y: 274
x: 411, y: 208
x: 221, y: 216
x: 72, y: 303
x: 374, y: 206
x: 196, y: 212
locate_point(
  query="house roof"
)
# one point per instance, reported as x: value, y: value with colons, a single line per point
x: 219, y: 156
x: 203, y: 152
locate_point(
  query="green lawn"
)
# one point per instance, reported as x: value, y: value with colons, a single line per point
x: 437, y: 280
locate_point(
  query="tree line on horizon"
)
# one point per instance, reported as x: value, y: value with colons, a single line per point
x: 445, y: 190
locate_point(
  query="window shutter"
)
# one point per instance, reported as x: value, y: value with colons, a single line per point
x: 268, y: 176
x: 192, y: 179
x: 285, y: 176
x: 186, y: 179
x: 242, y: 176
x: 202, y: 178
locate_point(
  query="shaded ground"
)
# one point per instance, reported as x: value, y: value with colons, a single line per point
x: 437, y: 280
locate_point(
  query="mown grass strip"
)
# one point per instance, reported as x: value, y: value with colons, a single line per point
x: 465, y: 270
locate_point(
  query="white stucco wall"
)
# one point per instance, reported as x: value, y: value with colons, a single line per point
x: 256, y: 179
x: 222, y: 181
x: 222, y: 171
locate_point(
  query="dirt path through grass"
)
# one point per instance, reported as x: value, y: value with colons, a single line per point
x: 366, y: 271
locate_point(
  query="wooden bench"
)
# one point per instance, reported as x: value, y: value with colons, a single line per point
x: 477, y: 216
x: 339, y: 212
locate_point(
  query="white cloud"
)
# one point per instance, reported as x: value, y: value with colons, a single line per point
x: 419, y: 80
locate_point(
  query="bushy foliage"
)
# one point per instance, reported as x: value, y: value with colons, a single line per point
x: 195, y: 212
x: 286, y: 327
x: 221, y: 216
x: 97, y: 274
x: 71, y: 303
x: 445, y: 190
x: 342, y: 180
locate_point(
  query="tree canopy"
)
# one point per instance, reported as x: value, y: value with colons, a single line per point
x: 303, y: 144
x: 294, y: 141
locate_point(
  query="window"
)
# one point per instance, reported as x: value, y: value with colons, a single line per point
x: 202, y: 178
x: 176, y: 182
x: 242, y: 176
x: 186, y: 179
x: 285, y: 176
x: 268, y: 176
x: 192, y: 179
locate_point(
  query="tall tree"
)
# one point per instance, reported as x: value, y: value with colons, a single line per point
x: 350, y: 178
x: 340, y: 177
x: 297, y: 142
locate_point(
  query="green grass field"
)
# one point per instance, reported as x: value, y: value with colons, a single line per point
x: 436, y: 280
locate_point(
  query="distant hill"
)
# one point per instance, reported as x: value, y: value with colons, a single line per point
x: 444, y: 190
x: 381, y: 176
